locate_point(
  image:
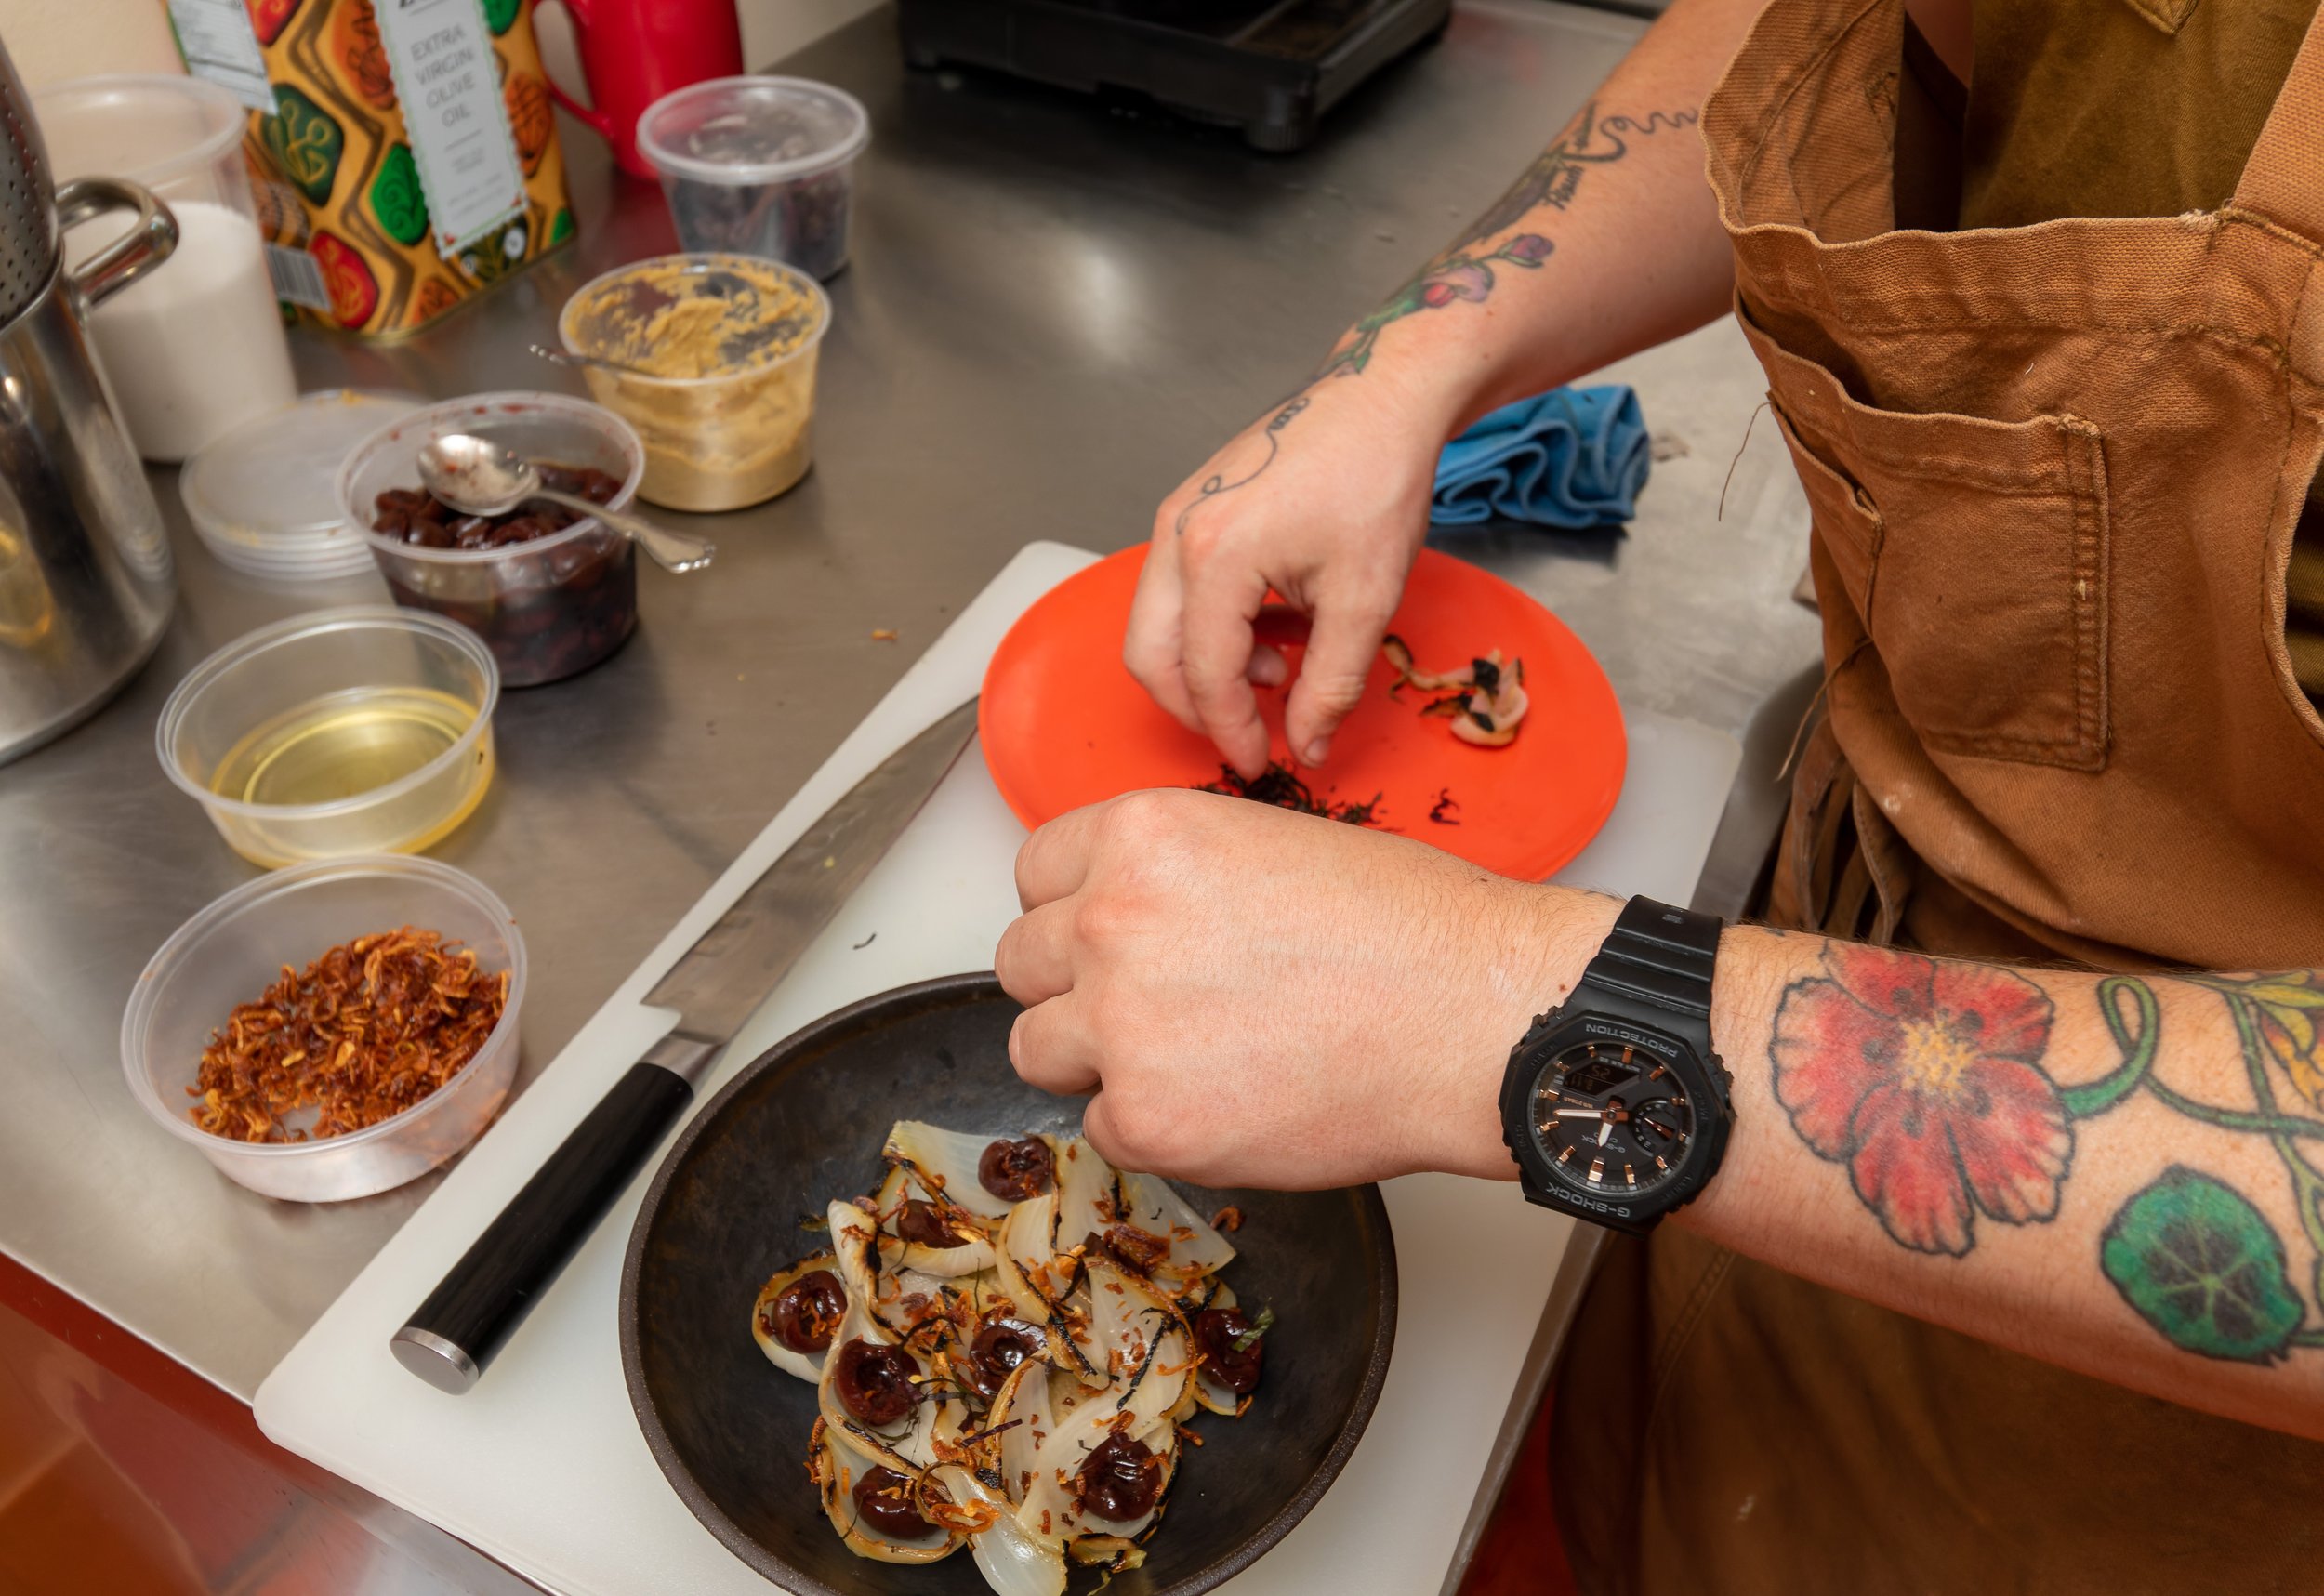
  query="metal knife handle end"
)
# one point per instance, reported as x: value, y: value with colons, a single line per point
x: 434, y: 1359
x: 452, y: 1337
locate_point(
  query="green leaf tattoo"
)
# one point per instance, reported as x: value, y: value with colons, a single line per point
x: 1451, y: 279
x: 2201, y: 1264
x: 1463, y: 272
x: 1929, y: 1082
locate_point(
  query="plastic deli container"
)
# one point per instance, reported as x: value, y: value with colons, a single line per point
x: 232, y: 951
x: 359, y: 730
x: 264, y: 498
x: 197, y: 348
x: 724, y: 395
x: 759, y: 165
x: 549, y: 608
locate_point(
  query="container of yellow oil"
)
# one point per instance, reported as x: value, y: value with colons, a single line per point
x: 363, y: 730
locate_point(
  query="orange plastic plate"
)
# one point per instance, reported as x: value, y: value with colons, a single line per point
x: 1064, y: 724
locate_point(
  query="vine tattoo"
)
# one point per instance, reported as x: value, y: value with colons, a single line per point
x: 1926, y: 1081
x: 1461, y: 273
x: 1217, y: 484
x: 1465, y: 271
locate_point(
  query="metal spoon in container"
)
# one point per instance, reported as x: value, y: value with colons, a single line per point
x: 476, y: 476
x: 566, y: 358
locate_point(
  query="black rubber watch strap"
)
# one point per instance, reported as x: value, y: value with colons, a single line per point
x: 1658, y: 956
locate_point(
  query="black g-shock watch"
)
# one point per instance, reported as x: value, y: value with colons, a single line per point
x: 1614, y: 1106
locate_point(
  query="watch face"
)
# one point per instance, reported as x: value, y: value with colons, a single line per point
x: 1610, y: 1121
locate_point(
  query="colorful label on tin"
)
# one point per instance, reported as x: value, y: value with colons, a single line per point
x: 440, y: 55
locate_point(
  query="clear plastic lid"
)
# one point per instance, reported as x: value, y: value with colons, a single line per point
x: 265, y: 496
x: 753, y: 130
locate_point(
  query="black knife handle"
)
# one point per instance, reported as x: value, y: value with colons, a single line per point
x: 453, y: 1335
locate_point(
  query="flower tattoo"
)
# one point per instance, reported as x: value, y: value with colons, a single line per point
x: 1453, y: 279
x: 1925, y: 1080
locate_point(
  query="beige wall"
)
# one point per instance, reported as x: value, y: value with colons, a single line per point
x: 51, y: 39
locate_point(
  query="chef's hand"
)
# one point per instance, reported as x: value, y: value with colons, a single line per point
x: 1264, y: 999
x: 1325, y: 498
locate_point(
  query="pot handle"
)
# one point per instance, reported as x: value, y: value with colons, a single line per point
x: 129, y: 257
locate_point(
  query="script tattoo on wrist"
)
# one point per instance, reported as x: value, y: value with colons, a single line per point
x: 1927, y: 1080
x: 1464, y: 272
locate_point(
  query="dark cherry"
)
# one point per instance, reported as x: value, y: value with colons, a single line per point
x: 1120, y: 1481
x: 415, y: 516
x: 883, y: 1500
x: 925, y: 1223
x: 806, y: 1313
x: 1017, y: 1170
x: 1233, y: 1368
x: 875, y: 1383
x: 999, y: 1347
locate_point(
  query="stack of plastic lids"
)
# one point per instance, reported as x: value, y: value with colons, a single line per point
x: 264, y: 498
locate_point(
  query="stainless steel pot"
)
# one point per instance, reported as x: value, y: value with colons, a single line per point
x: 85, y: 581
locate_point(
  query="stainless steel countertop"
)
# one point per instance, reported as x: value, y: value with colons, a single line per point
x: 1054, y: 312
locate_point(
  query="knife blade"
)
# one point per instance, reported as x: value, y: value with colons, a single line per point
x: 716, y: 986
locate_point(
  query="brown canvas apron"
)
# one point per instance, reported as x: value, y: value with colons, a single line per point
x: 2054, y: 472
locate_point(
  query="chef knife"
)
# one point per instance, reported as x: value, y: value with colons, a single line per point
x: 715, y: 987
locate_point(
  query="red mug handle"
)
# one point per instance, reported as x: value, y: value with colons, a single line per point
x: 579, y: 11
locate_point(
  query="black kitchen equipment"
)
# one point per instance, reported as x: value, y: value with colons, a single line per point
x: 1270, y: 68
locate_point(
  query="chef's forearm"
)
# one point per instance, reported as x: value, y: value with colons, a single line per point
x: 1609, y: 242
x: 2123, y: 1175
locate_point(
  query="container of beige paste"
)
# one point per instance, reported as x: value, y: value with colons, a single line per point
x: 721, y: 385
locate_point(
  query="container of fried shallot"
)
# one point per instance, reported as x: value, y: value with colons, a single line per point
x: 331, y: 1030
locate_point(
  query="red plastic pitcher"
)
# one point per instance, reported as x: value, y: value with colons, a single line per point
x: 635, y: 51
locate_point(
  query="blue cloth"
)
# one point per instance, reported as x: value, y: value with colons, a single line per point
x: 1572, y: 458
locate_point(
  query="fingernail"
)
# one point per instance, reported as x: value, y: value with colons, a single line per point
x: 1318, y: 751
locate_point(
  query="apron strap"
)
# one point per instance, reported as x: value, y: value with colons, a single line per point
x: 2284, y: 178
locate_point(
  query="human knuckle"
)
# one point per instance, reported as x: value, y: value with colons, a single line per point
x: 1336, y: 690
x: 1102, y: 921
x: 1137, y: 817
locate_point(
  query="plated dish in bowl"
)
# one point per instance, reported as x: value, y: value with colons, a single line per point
x: 719, y: 1277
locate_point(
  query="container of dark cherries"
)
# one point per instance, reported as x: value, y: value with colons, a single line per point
x: 551, y: 591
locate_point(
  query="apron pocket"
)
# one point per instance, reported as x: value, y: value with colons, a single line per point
x: 1845, y: 517
x: 1982, y: 548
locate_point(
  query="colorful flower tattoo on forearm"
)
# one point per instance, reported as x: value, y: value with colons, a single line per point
x: 1926, y: 1081
x: 1463, y: 273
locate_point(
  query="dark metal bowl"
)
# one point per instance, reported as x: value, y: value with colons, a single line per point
x: 804, y: 1123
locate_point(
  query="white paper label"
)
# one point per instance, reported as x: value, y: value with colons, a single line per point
x: 220, y: 44
x: 442, y: 56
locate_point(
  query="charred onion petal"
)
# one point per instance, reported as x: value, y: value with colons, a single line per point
x: 1017, y: 1170
x: 925, y: 1223
x: 1119, y: 1480
x: 1141, y: 1249
x: 999, y: 1347
x: 806, y: 1313
x: 883, y: 1498
x: 1216, y: 1332
x: 875, y: 1383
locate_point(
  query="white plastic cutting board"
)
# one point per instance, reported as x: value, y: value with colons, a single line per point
x: 542, y: 1464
